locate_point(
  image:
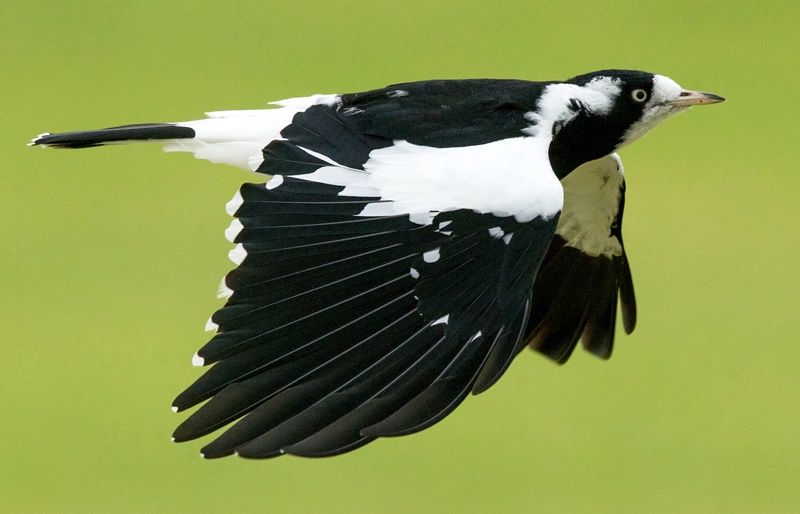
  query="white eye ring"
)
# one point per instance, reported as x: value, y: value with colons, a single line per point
x: 639, y: 95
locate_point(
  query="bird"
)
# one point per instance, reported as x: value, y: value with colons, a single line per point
x: 405, y: 245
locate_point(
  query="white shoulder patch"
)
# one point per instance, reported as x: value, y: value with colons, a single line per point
x: 591, y: 201
x: 510, y: 177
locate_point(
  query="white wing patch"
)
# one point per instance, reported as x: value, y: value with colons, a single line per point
x: 510, y: 177
x: 591, y: 202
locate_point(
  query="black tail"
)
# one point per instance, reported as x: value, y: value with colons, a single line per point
x: 89, y: 138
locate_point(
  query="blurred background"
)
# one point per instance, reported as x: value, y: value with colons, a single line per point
x: 111, y: 258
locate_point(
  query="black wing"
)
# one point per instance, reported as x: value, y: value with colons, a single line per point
x: 343, y: 327
x: 446, y: 113
x: 586, y: 269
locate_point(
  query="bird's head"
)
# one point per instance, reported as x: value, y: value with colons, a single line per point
x: 597, y: 113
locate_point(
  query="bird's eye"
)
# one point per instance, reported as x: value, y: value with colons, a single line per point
x: 639, y: 95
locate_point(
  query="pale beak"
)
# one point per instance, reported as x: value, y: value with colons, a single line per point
x: 689, y: 98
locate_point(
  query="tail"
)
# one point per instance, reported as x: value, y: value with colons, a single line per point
x: 226, y: 137
x: 114, y: 135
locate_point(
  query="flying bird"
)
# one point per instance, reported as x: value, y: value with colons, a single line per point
x: 409, y: 242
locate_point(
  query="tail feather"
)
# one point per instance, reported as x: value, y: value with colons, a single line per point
x: 112, y: 135
x: 226, y: 137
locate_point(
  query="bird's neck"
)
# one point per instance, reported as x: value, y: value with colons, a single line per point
x: 583, y: 139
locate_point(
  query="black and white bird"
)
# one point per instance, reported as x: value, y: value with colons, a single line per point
x: 411, y: 241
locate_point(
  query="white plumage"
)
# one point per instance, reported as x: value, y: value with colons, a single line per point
x: 414, y: 179
x: 237, y: 137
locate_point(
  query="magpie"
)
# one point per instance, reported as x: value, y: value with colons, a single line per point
x: 409, y: 242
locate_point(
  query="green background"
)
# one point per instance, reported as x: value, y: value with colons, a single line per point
x: 111, y: 258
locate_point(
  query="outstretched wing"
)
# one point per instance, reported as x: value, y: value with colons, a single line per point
x: 384, y: 273
x: 586, y: 269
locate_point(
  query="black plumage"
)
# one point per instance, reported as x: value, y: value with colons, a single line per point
x: 411, y: 242
x: 138, y: 132
x: 279, y: 330
x: 577, y: 296
x: 444, y: 113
